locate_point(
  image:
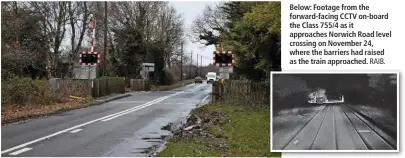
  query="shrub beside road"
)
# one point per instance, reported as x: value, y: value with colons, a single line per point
x: 24, y: 98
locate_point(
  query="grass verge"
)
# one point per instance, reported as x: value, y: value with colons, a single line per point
x: 173, y: 86
x: 14, y: 113
x: 229, y: 131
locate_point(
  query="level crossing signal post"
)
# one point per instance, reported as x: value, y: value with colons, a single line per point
x: 90, y: 59
x: 225, y: 61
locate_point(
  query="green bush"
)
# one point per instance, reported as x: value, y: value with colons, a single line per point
x: 23, y: 91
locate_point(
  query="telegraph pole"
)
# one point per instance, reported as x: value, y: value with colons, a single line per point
x: 191, y: 63
x: 196, y: 72
x: 181, y: 62
x: 105, y: 39
x: 200, y: 64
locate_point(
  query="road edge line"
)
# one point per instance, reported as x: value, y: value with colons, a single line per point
x: 64, y: 131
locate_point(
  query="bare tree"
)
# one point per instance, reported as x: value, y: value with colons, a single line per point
x: 137, y: 32
x: 54, y: 24
x: 78, y: 13
x: 208, y: 27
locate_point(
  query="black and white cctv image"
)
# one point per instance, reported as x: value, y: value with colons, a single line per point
x: 334, y: 112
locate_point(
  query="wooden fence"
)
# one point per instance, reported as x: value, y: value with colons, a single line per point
x: 107, y: 86
x: 240, y: 92
x: 74, y: 87
x: 140, y: 85
x: 83, y: 87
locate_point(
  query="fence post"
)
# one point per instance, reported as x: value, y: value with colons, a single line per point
x: 90, y: 87
x: 55, y: 86
x: 107, y: 89
x: 131, y: 84
x: 225, y: 90
x: 97, y: 87
x: 222, y: 92
x: 219, y: 92
x: 143, y: 83
x: 124, y: 85
x: 214, y: 92
x: 148, y: 83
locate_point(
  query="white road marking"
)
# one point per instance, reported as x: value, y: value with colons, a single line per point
x: 20, y: 151
x: 136, y: 107
x: 124, y: 102
x: 363, y: 131
x: 141, y: 107
x: 72, y: 128
x: 174, y: 103
x: 194, y: 89
x: 205, y: 98
x: 75, y: 131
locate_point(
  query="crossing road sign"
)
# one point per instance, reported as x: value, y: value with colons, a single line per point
x: 227, y: 69
x: 224, y: 75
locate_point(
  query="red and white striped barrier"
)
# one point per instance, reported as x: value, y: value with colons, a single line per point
x: 93, y: 36
x: 93, y: 42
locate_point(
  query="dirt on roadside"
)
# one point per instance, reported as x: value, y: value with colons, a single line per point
x: 199, y: 125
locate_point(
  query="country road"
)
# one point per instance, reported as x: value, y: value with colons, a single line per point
x: 128, y: 127
x: 328, y: 127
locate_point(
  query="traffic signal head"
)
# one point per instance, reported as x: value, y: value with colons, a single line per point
x: 90, y: 58
x: 223, y: 58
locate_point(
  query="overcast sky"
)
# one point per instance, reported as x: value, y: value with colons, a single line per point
x: 190, y: 10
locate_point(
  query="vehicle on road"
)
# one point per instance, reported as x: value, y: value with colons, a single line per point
x: 318, y: 100
x: 211, y: 77
x: 335, y: 97
x: 321, y: 100
x: 198, y: 79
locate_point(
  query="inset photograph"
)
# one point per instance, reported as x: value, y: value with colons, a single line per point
x: 335, y: 112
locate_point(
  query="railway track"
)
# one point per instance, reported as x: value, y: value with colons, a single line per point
x: 339, y: 127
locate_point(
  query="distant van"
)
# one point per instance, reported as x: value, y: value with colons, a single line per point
x: 211, y: 77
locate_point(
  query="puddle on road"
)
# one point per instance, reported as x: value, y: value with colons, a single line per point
x: 151, y: 139
x: 154, y: 142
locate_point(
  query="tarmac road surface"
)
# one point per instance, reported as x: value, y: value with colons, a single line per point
x: 128, y: 127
